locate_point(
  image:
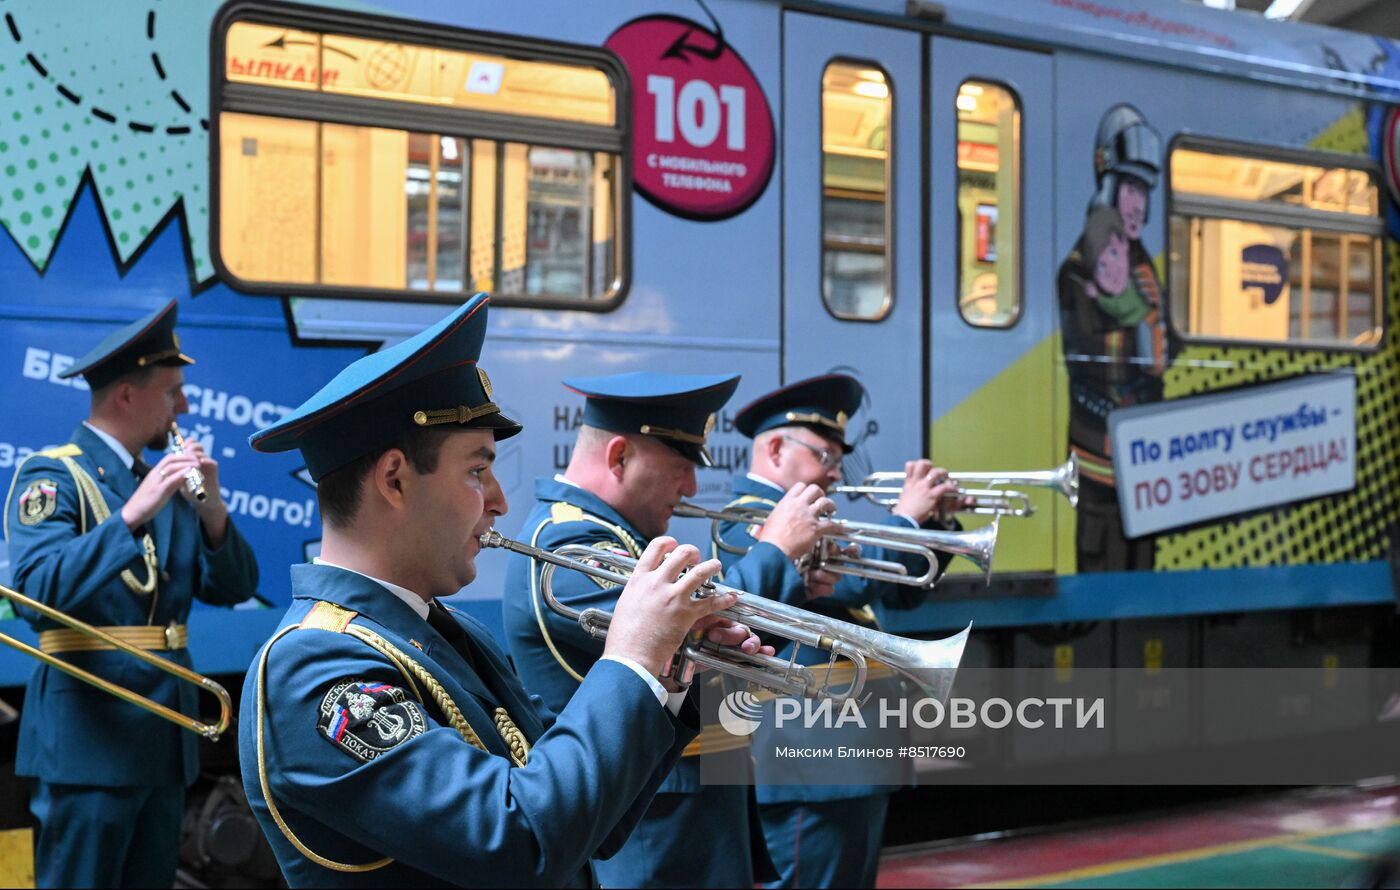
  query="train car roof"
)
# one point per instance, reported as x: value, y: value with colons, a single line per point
x: 1171, y: 33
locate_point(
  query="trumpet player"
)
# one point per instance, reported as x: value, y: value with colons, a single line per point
x: 634, y: 459
x: 386, y: 740
x: 799, y: 439
x: 96, y: 532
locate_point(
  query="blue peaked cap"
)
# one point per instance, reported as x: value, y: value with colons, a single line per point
x: 824, y: 404
x: 428, y: 380
x: 145, y: 343
x: 678, y: 409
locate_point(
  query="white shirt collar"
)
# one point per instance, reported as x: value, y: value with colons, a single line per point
x: 415, y: 602
x: 112, y: 443
x: 559, y: 477
x: 768, y: 482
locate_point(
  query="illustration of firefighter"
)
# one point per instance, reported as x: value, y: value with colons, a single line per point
x: 1111, y: 319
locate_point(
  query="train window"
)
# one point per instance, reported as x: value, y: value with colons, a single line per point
x: 856, y: 110
x: 1274, y: 248
x: 365, y: 165
x: 989, y: 204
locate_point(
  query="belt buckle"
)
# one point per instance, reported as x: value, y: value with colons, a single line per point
x: 170, y: 637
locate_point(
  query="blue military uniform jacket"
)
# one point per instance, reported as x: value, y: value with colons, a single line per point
x: 363, y: 763
x: 65, y: 720
x: 551, y: 652
x: 851, y: 601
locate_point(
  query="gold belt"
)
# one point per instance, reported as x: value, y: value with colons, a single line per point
x: 714, y: 739
x: 148, y: 637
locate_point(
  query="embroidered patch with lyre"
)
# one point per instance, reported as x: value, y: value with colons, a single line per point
x: 368, y: 719
x: 613, y: 548
x: 38, y: 501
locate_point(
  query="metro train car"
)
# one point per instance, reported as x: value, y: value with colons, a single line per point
x: 1152, y: 243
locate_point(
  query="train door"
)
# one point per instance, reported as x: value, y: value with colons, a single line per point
x: 992, y: 335
x: 852, y: 266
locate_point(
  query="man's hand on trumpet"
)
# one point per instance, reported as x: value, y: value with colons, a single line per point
x: 657, y: 609
x: 928, y: 493
x: 798, y: 521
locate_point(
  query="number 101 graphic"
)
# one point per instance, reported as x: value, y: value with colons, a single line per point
x: 697, y: 112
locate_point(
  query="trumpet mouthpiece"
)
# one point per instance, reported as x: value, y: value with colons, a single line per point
x: 492, y: 538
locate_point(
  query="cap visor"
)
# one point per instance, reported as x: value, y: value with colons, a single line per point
x: 503, y: 426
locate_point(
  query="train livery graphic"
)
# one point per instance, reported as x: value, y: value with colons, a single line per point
x: 1032, y: 230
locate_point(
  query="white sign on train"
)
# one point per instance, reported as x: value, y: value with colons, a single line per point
x: 1188, y: 460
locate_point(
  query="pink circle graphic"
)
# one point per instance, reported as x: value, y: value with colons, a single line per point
x: 702, y: 133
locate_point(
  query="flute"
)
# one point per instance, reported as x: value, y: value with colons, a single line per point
x: 194, y: 479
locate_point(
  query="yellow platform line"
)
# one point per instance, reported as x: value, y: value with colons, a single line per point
x: 1144, y: 862
x: 17, y: 858
x: 1328, y: 851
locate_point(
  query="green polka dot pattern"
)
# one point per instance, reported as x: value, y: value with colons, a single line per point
x: 117, y: 89
x: 1350, y: 526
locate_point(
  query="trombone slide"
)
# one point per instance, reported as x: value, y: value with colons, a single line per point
x: 210, y: 731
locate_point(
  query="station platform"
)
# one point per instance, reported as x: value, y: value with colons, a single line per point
x: 1332, y: 837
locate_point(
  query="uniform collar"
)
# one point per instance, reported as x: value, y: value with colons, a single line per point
x: 764, y: 483
x: 416, y: 602
x: 358, y: 593
x: 561, y: 489
x: 111, y: 442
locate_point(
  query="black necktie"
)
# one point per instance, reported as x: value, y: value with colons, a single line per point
x: 448, y: 628
x: 140, y: 469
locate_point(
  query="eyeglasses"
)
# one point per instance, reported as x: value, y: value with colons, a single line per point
x: 828, y: 460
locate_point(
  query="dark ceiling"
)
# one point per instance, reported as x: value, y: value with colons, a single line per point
x: 1367, y: 16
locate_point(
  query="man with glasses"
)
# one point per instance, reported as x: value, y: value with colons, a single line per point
x: 825, y: 835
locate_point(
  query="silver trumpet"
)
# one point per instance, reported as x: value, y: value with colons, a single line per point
x: 976, y: 546
x: 194, y: 479
x: 932, y: 664
x: 884, y: 488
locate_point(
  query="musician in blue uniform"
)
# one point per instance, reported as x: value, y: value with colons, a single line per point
x: 634, y: 460
x: 96, y: 532
x: 823, y: 835
x: 386, y: 740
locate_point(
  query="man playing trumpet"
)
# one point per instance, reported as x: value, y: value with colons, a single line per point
x: 97, y: 533
x: 634, y: 460
x: 386, y: 740
x: 799, y: 439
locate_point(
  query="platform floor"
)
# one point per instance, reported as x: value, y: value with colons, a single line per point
x: 1315, y: 838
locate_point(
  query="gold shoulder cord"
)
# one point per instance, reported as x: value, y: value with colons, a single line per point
x: 569, y: 513
x: 329, y: 616
x: 88, y: 490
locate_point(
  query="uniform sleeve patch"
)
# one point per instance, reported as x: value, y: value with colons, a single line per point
x: 368, y: 719
x: 613, y: 548
x: 38, y: 501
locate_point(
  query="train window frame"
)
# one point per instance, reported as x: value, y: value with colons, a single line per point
x: 415, y: 117
x: 1266, y: 152
x: 1019, y: 289
x: 887, y: 307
